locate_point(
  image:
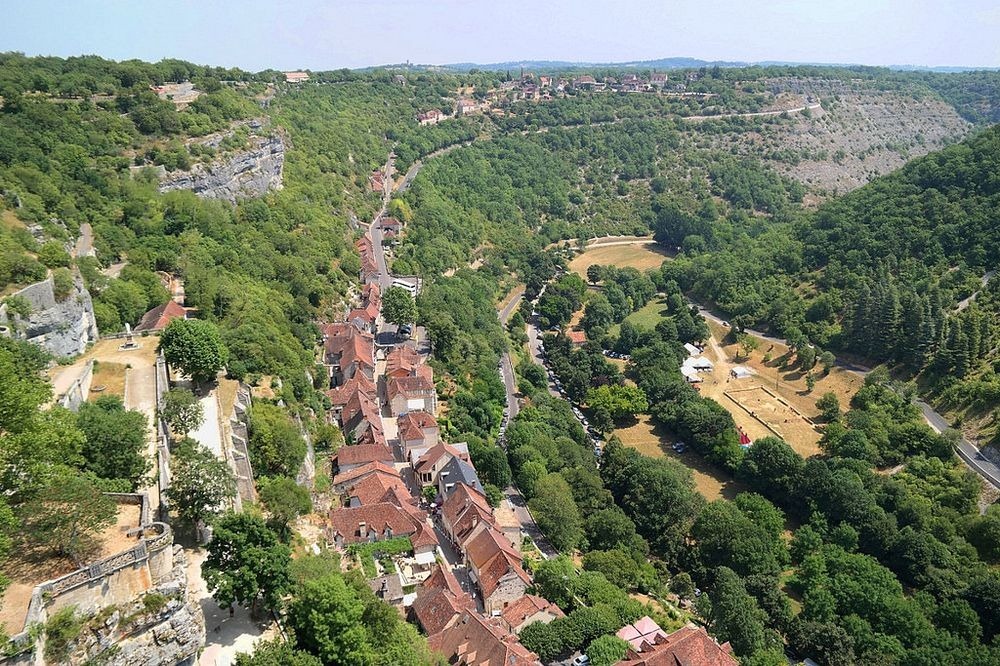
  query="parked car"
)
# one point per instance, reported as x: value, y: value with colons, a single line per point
x: 582, y: 660
x: 680, y: 447
x: 405, y: 330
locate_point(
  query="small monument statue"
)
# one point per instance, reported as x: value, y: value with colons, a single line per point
x: 130, y: 342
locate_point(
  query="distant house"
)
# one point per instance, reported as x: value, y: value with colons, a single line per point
x: 352, y: 457
x: 466, y: 106
x: 529, y: 609
x: 427, y: 467
x: 577, y: 337
x: 379, y: 522
x: 344, y: 481
x: 689, y: 645
x: 658, y: 79
x: 365, y: 318
x: 410, y: 394
x: 296, y: 77
x: 586, y: 82
x: 440, y: 601
x: 402, y: 361
x: 158, y: 318
x: 463, y: 511
x: 418, y: 431
x: 341, y: 395
x: 348, y: 350
x: 391, y: 225
x: 375, y: 488
x: 645, y: 629
x: 471, y: 639
x: 495, y: 566
x: 432, y: 117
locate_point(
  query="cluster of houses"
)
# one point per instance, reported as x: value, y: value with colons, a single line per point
x: 392, y: 437
x: 542, y: 88
x: 396, y: 477
x: 649, y: 645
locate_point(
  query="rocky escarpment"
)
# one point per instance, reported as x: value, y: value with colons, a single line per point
x: 163, y: 627
x: 246, y: 173
x: 63, y: 327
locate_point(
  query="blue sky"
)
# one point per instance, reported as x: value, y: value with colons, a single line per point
x: 354, y: 33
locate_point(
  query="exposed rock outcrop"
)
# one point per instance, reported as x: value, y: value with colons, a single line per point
x: 247, y: 173
x: 64, y: 328
x: 166, y: 631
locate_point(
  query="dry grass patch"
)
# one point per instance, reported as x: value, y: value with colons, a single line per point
x: 642, y: 256
x: 654, y: 441
x: 109, y: 379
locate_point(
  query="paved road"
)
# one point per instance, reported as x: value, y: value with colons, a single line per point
x: 384, y: 279
x: 517, y: 503
x: 966, y: 451
x: 535, y: 348
x: 225, y: 636
x: 506, y: 365
x: 414, y: 169
x: 528, y: 524
x: 985, y: 281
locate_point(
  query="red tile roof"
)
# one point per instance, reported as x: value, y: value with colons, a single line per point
x: 415, y: 387
x: 375, y: 488
x: 577, y: 337
x: 411, y: 425
x: 474, y: 640
x: 688, y: 646
x: 158, y: 318
x: 349, y: 345
x: 465, y: 508
x: 434, y: 455
x: 402, y: 362
x: 440, y: 600
x: 360, y: 454
x: 358, y: 473
x: 347, y: 523
x: 359, y: 410
x: 526, y: 607
x: 494, y: 558
x: 502, y: 566
x: 359, y: 383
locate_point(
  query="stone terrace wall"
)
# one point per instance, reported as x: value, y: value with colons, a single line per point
x: 119, y: 580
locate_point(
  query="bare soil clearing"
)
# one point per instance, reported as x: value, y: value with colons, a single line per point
x: 774, y: 401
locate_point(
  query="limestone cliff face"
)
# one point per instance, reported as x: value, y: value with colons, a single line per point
x: 64, y: 328
x: 139, y: 635
x: 247, y: 173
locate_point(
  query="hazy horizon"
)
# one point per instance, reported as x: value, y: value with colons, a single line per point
x: 256, y: 35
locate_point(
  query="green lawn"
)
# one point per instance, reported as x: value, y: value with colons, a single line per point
x: 646, y: 317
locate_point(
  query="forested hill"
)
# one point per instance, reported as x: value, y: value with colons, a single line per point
x: 898, y: 271
x: 941, y: 210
